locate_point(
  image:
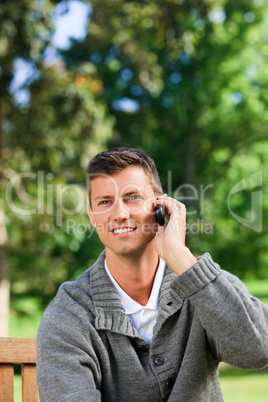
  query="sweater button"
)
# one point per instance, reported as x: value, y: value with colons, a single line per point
x: 159, y: 361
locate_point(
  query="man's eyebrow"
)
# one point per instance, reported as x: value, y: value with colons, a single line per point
x: 102, y: 197
x: 129, y: 193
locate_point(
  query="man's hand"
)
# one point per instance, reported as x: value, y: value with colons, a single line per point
x: 170, y: 239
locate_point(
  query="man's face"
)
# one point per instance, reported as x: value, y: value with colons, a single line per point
x: 122, y: 211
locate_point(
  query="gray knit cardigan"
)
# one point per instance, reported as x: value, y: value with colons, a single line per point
x: 89, y: 351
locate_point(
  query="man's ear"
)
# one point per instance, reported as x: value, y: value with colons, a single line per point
x: 90, y: 214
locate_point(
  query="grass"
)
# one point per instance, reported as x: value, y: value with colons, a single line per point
x: 17, y: 388
x: 24, y: 318
x: 237, y: 385
x: 244, y: 385
x: 259, y: 289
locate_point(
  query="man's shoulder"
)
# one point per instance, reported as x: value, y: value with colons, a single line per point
x: 90, y: 276
x: 74, y: 297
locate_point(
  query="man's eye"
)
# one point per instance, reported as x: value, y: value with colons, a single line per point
x: 104, y: 202
x: 133, y: 198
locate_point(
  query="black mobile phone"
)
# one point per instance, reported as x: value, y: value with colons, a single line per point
x: 160, y: 215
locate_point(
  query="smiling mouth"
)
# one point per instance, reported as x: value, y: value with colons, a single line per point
x: 123, y: 230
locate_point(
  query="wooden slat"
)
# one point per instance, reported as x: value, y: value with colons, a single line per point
x: 6, y: 383
x: 17, y: 350
x: 29, y: 385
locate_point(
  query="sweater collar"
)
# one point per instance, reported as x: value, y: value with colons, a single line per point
x: 130, y: 305
x: 110, y: 313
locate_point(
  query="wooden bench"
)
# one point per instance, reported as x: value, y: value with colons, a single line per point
x: 18, y: 351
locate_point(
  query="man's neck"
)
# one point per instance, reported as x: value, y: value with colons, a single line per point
x: 134, y: 274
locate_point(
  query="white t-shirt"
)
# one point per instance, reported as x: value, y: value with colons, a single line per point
x: 143, y: 318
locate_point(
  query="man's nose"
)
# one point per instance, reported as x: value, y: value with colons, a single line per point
x: 119, y: 211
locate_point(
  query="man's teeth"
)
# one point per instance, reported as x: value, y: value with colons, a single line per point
x: 125, y: 230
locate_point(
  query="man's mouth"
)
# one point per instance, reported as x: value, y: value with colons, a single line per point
x: 123, y: 230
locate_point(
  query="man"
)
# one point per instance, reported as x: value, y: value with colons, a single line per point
x: 148, y: 321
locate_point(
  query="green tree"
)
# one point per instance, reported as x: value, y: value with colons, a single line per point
x: 194, y: 76
x: 184, y: 81
x: 46, y: 140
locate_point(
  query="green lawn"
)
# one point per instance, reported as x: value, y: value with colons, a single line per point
x: 17, y: 388
x: 24, y: 318
x: 244, y: 385
x: 237, y: 385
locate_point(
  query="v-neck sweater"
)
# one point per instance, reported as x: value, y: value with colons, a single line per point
x: 88, y: 350
x: 143, y: 318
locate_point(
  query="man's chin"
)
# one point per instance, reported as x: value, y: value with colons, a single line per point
x: 129, y: 250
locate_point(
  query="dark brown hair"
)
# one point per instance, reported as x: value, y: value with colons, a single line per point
x: 114, y: 160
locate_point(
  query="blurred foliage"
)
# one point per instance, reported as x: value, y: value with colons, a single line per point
x: 184, y: 81
x: 49, y: 127
x: 187, y: 83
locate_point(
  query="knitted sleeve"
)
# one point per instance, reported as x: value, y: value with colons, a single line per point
x: 67, y: 365
x: 236, y: 323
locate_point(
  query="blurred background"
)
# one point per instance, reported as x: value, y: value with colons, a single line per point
x: 184, y: 81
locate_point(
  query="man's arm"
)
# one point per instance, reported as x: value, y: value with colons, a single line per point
x: 67, y: 367
x: 236, y: 323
